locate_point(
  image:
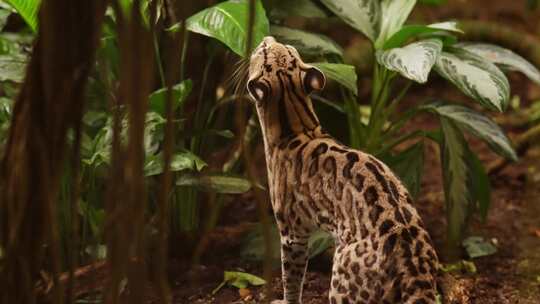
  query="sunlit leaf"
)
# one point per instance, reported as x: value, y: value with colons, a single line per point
x: 476, y: 77
x: 242, y: 279
x: 409, y: 31
x: 409, y: 166
x: 28, y: 9
x: 179, y: 93
x: 228, y: 22
x: 215, y: 183
x: 413, y: 61
x: 394, y: 13
x: 344, y: 74
x: 504, y: 58
x: 305, y: 42
x: 477, y: 124
x: 363, y: 16
x: 477, y: 247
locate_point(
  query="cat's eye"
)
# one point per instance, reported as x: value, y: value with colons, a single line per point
x: 314, y: 80
x: 258, y: 90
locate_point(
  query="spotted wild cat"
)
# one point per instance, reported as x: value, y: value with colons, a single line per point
x: 383, y: 253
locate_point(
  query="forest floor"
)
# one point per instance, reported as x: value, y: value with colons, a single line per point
x: 511, y: 275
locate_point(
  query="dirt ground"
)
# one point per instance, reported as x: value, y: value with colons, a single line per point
x: 511, y: 275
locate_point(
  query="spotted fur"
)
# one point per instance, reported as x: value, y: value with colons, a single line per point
x: 383, y: 253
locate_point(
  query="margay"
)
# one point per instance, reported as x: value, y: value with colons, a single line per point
x: 383, y: 253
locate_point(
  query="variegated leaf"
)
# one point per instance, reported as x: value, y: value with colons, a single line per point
x: 305, y: 42
x: 413, y: 61
x: 393, y: 16
x: 504, y: 58
x: 362, y: 15
x: 476, y: 77
x: 344, y: 74
x: 408, y: 31
x: 477, y: 124
x: 457, y: 178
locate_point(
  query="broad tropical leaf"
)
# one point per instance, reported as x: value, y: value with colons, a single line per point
x: 344, y: 74
x: 457, y: 180
x: 476, y: 77
x: 394, y: 13
x: 363, y: 16
x: 409, y: 166
x: 413, y: 61
x: 228, y: 22
x: 179, y: 93
x: 215, y: 183
x: 304, y: 8
x: 409, y: 31
x: 477, y: 124
x: 28, y: 9
x: 504, y: 58
x: 305, y: 42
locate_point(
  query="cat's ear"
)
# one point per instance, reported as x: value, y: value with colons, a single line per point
x: 258, y: 90
x: 314, y: 80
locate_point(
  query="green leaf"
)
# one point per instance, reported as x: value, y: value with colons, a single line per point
x: 228, y: 22
x: 242, y: 279
x: 394, y: 13
x: 5, y: 11
x: 409, y: 166
x: 409, y: 31
x: 179, y: 93
x: 476, y: 77
x: 344, y: 74
x: 12, y: 68
x: 215, y: 183
x: 363, y: 16
x: 28, y: 9
x: 303, y: 8
x: 477, y: 124
x: 306, y: 43
x: 477, y: 247
x: 180, y: 161
x: 504, y: 58
x: 318, y: 242
x: 413, y: 61
x: 457, y: 180
x: 481, y: 187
